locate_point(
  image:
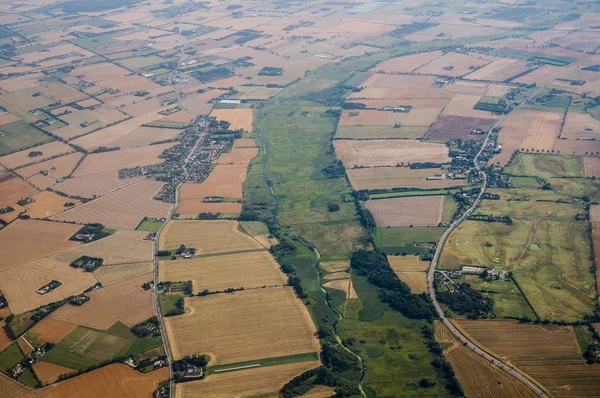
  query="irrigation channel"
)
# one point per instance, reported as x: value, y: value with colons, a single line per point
x: 306, y: 243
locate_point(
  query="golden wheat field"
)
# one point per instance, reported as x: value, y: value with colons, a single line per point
x: 111, y: 274
x: 231, y: 327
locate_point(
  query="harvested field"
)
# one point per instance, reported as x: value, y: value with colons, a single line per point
x: 576, y: 147
x: 244, y: 143
x: 92, y: 119
x: 207, y: 236
x: 181, y: 117
x: 115, y: 160
x: 580, y: 126
x: 13, y: 189
x: 543, y: 131
x: 111, y: 274
x: 242, y: 326
x: 225, y: 181
x: 19, y: 284
x: 344, y: 285
x: 407, y: 264
x: 50, y: 331
x: 416, y: 117
x: 248, y: 270
x: 541, y: 75
x: 595, y: 213
x: 48, y: 372
x: 257, y: 92
x: 477, y: 377
x: 142, y: 136
x: 416, y: 281
x: 258, y: 231
x: 12, y: 388
x: 401, y: 93
x: 449, y: 127
x: 94, y: 184
x: 244, y: 383
x: 549, y: 354
x: 389, y: 152
x: 22, y: 158
x: 452, y: 64
x: 591, y: 166
x: 26, y: 240
x: 194, y: 206
x: 407, y: 63
x: 240, y: 118
x: 238, y: 155
x: 56, y: 168
x: 115, y: 380
x: 48, y: 204
x: 121, y: 247
x: 126, y: 302
x: 398, y: 177
x: 419, y: 211
x: 464, y: 104
x: 124, y: 208
x: 499, y: 71
x: 335, y: 266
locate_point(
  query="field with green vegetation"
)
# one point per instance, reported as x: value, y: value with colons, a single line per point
x: 20, y: 135
x: 546, y: 166
x: 10, y: 357
x: 406, y: 239
x: 149, y: 225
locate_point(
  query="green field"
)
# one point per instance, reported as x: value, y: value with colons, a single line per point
x: 149, y: 225
x: 508, y: 300
x: 584, y: 336
x: 550, y: 260
x: 305, y: 357
x: 546, y: 166
x: 401, y: 194
x: 167, y: 302
x: 28, y: 378
x: 85, y: 347
x: 10, y: 357
x: 401, y: 239
x: 19, y: 135
x: 146, y: 344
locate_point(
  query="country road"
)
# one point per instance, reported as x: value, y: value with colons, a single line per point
x: 440, y: 246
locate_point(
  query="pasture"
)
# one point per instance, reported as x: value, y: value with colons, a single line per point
x: 244, y: 315
x: 556, y: 362
x: 546, y: 166
x: 407, y: 240
x: 372, y: 153
x: 418, y: 211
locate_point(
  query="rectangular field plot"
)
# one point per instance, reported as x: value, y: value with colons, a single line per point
x: 240, y: 118
x: 389, y: 152
x: 94, y: 184
x: 247, y: 270
x: 194, y: 206
x: 549, y: 354
x: 398, y: 177
x: 13, y: 189
x: 418, y: 211
x: 449, y: 127
x: 547, y: 166
x: 407, y: 63
x: 207, y: 237
x: 411, y: 270
x: 22, y: 158
x: 20, y: 135
x: 225, y: 180
x: 580, y: 126
x: 407, y: 240
x: 242, y: 326
x: 452, y: 64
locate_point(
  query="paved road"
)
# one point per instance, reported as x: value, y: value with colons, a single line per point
x: 434, y: 262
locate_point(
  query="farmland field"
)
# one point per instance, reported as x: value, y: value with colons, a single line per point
x: 19, y: 135
x: 591, y: 167
x: 48, y: 204
x: 389, y: 152
x: 422, y: 211
x: 13, y: 189
x: 556, y: 362
x: 238, y: 155
x: 22, y: 158
x: 194, y: 206
x: 449, y: 127
x: 247, y: 313
x: 225, y: 181
x: 240, y: 118
x: 94, y: 184
x: 398, y: 177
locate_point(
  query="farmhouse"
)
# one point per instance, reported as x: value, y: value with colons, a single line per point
x: 496, y: 273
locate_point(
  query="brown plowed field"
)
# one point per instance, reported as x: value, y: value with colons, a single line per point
x: 238, y: 155
x: 242, y: 326
x: 591, y: 166
x: 116, y: 380
x: 27, y: 240
x: 549, y: 354
x: 114, y: 160
x: 12, y: 388
x: 476, y: 375
x: 419, y: 211
x: 48, y: 204
x: 398, y: 177
x: 225, y: 180
x: 94, y: 184
x: 195, y: 206
x: 19, y: 284
x: 449, y: 127
x: 389, y: 152
x: 461, y: 64
x: 577, y: 147
x: 247, y: 270
x: 240, y: 118
x: 580, y: 125
x: 121, y: 247
x: 124, y: 208
x: 13, y: 189
x: 407, y: 63
x: 126, y: 302
x: 22, y: 158
x: 48, y: 372
x: 51, y: 331
x: 206, y: 236
x: 244, y: 383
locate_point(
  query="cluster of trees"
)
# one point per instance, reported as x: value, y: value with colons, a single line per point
x: 179, y: 308
x: 148, y: 328
x: 391, y: 289
x: 441, y: 364
x: 194, y: 360
x: 335, y: 170
x: 467, y: 301
x: 301, y: 384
